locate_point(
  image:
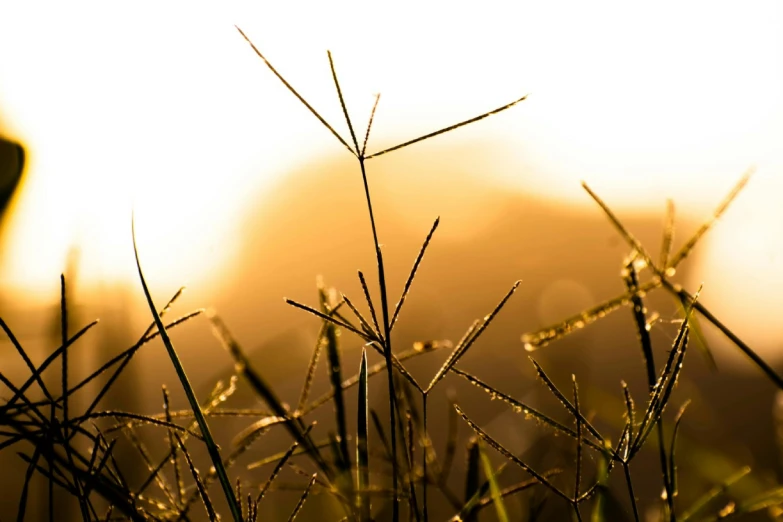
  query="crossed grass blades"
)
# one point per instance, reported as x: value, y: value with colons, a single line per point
x: 365, y: 482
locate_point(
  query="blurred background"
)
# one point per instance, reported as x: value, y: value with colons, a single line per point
x: 240, y: 194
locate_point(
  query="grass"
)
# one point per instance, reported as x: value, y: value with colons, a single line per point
x: 389, y: 467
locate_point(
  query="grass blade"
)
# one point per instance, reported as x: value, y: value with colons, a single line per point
x: 578, y: 477
x: 463, y: 347
x: 565, y: 402
x: 369, y: 124
x: 295, y: 93
x: 362, y: 449
x: 278, y: 467
x: 242, y: 364
x: 302, y: 499
x: 544, y: 336
x: 686, y: 249
x: 451, y: 442
x: 472, y: 475
x: 673, y: 447
x: 352, y: 381
x: 668, y: 238
x: 368, y: 298
x: 212, y: 448
x: 629, y: 238
x: 173, y: 450
x: 520, y: 407
x: 31, y: 467
x: 412, y: 274
x: 510, y: 456
x: 335, y: 378
x: 447, y: 129
x: 494, y: 487
x: 19, y: 393
x: 703, y: 501
x: 342, y: 104
x: 329, y: 318
x: 199, y: 484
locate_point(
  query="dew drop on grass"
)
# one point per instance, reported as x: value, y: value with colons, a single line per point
x: 428, y: 346
x: 727, y: 510
x: 670, y: 271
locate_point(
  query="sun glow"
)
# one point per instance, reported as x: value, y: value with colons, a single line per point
x: 166, y: 110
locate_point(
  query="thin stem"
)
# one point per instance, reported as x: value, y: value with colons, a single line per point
x: 629, y: 482
x: 747, y: 350
x: 425, y: 481
x: 387, y: 346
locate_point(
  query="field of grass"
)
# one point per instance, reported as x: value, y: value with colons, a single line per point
x: 378, y: 461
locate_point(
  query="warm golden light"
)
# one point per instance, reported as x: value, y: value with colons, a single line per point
x: 168, y: 111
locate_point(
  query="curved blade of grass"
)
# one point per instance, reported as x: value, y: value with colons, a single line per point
x: 516, y: 488
x: 702, y: 502
x: 212, y: 448
x: 126, y: 356
x: 494, y: 487
x: 448, y: 129
x: 362, y: 449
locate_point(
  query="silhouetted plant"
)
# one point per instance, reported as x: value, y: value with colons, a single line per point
x: 356, y: 476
